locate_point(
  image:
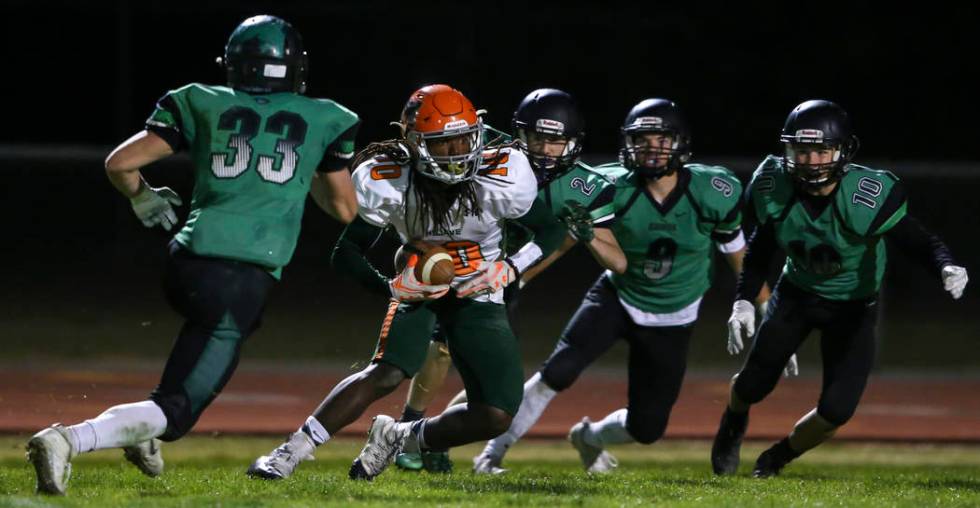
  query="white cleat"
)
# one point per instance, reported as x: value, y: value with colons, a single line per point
x: 485, y: 463
x: 146, y: 457
x: 385, y: 439
x: 50, y: 452
x: 281, y: 462
x: 594, y: 459
x: 604, y: 463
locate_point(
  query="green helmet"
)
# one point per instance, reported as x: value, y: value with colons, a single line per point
x: 265, y: 54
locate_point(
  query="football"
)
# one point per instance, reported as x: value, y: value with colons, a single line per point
x: 435, y: 265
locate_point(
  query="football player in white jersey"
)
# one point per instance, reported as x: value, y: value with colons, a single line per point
x: 437, y: 185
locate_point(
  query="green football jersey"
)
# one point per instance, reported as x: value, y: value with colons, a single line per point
x: 837, y: 254
x: 254, y: 158
x: 580, y: 184
x: 668, y: 246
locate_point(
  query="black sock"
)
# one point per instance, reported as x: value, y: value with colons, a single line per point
x: 411, y: 415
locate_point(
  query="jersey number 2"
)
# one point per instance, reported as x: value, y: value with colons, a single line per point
x: 233, y: 163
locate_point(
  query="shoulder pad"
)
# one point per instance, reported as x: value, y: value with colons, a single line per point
x: 506, y: 183
x: 716, y: 190
x: 380, y: 186
x: 611, y: 171
x: 770, y: 189
x: 494, y: 158
x: 862, y: 198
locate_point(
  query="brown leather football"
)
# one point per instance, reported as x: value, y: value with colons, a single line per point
x: 435, y: 265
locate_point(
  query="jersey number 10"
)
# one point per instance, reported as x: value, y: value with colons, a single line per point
x: 290, y: 126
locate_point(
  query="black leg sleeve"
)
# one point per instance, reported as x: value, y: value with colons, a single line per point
x: 847, y: 346
x: 658, y: 360
x: 222, y: 302
x: 598, y: 323
x: 780, y: 335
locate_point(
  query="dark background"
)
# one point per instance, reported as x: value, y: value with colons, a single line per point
x: 80, y: 275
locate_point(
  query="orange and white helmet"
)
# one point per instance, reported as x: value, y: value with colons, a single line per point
x: 438, y: 112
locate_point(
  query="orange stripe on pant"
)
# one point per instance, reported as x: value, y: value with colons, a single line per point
x: 385, y: 327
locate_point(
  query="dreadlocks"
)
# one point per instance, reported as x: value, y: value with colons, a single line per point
x: 434, y: 200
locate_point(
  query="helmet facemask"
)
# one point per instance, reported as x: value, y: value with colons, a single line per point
x: 452, y: 155
x: 816, y: 162
x: 540, y: 145
x: 652, y: 160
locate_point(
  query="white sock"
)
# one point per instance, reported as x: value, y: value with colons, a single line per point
x: 537, y: 396
x: 119, y: 426
x: 315, y: 431
x: 608, y: 431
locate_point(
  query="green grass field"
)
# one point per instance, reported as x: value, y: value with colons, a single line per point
x: 204, y: 471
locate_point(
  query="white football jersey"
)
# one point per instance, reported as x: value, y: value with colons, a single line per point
x: 505, y: 188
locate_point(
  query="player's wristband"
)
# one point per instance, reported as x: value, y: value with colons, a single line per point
x: 734, y: 245
x: 524, y: 258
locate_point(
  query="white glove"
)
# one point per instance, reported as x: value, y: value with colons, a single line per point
x: 954, y: 280
x: 491, y: 277
x: 153, y: 206
x: 792, y: 368
x: 406, y: 288
x: 743, y: 317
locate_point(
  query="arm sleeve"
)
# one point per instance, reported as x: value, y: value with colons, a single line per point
x: 602, y: 209
x: 348, y: 256
x: 924, y: 247
x: 730, y: 227
x: 762, y: 245
x: 166, y: 121
x: 548, y: 232
x: 891, y: 212
x: 340, y: 153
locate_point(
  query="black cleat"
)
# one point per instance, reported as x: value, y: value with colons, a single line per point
x: 728, y: 442
x: 773, y: 460
x: 357, y: 472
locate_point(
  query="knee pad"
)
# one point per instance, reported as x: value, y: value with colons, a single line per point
x: 561, y: 371
x: 836, y: 412
x: 646, y: 427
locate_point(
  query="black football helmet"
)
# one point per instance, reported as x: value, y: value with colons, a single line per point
x: 265, y: 55
x: 553, y: 115
x: 657, y: 116
x: 818, y: 125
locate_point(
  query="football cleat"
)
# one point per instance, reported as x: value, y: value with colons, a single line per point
x: 386, y: 438
x: 409, y: 461
x: 146, y: 457
x: 281, y: 462
x: 728, y: 442
x: 437, y: 462
x: 50, y: 451
x: 594, y: 459
x: 773, y: 460
x: 486, y: 463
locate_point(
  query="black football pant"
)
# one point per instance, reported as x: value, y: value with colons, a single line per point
x: 222, y: 302
x: 847, y: 348
x: 657, y: 358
